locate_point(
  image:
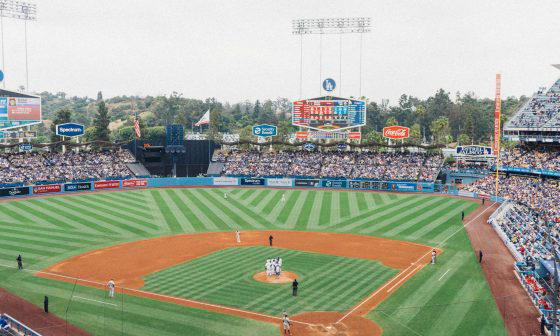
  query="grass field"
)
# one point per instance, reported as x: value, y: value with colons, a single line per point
x: 327, y: 283
x: 450, y: 298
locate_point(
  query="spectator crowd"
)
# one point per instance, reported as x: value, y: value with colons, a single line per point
x: 335, y: 164
x: 546, y: 158
x: 49, y: 166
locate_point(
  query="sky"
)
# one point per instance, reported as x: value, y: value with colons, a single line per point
x: 244, y: 50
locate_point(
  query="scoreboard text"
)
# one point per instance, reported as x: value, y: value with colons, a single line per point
x: 329, y: 113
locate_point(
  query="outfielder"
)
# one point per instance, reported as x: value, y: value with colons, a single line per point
x: 283, y: 197
x: 225, y: 195
x: 111, y: 286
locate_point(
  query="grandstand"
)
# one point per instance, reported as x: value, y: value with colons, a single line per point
x: 335, y: 164
x: 538, y: 120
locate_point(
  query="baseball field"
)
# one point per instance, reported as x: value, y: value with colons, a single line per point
x: 362, y: 259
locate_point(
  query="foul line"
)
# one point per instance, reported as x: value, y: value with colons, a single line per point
x: 83, y: 298
x: 406, y: 269
x: 441, y: 277
x: 403, y: 279
x: 247, y: 312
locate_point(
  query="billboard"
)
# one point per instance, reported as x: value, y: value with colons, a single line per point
x: 225, y: 181
x: 329, y: 113
x: 334, y: 183
x: 134, y: 183
x: 306, y: 183
x: 252, y: 181
x: 106, y: 184
x: 264, y: 130
x: 19, y: 110
x: 70, y: 130
x: 396, y: 132
x: 473, y: 150
x: 17, y: 191
x: 279, y: 182
x: 49, y: 188
x: 77, y: 186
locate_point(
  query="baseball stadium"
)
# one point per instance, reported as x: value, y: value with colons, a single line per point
x: 311, y: 215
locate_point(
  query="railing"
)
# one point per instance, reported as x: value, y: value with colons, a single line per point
x: 21, y: 328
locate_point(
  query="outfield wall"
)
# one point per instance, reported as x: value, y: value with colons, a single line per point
x: 224, y: 181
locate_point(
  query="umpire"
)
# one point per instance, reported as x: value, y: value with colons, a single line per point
x: 294, y: 287
x: 19, y: 262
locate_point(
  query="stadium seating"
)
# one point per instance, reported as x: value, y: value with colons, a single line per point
x: 356, y: 165
x: 541, y: 111
x: 37, y: 167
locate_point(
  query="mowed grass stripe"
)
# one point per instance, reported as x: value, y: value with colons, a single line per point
x: 176, y: 206
x: 261, y: 203
x: 425, y: 218
x: 81, y: 217
x: 197, y: 217
x: 170, y: 219
x: 44, y: 216
x: 16, y: 232
x: 271, y: 203
x: 380, y: 219
x: 59, y: 214
x: 435, y: 227
x: 30, y: 240
x: 365, y: 218
x: 219, y: 218
x: 138, y: 210
x: 305, y: 211
x: 123, y: 224
x: 129, y: 218
x: 344, y: 205
x: 124, y: 199
x: 395, y: 220
x: 361, y: 200
x: 250, y: 217
x: 325, y: 213
x: 314, y: 215
x: 292, y: 201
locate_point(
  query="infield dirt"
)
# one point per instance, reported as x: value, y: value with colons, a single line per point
x: 128, y: 263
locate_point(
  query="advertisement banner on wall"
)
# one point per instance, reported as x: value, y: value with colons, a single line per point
x: 107, y: 184
x: 18, y: 191
x: 306, y: 183
x: 279, y: 182
x: 252, y: 181
x: 407, y: 187
x: 334, y: 183
x: 49, y: 188
x: 134, y: 183
x: 82, y: 186
x: 225, y: 181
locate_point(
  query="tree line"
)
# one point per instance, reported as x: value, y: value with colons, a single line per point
x: 441, y: 118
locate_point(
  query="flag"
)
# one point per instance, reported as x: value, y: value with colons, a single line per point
x: 137, y: 127
x: 205, y: 120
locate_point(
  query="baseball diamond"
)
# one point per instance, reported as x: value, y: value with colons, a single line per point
x: 363, y: 257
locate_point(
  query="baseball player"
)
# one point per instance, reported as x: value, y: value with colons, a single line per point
x: 433, y: 257
x: 286, y: 324
x: 225, y: 195
x: 283, y: 197
x: 277, y: 270
x: 238, y: 236
x: 280, y: 261
x: 111, y: 286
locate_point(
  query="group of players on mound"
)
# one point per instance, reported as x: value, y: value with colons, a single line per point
x: 273, y: 267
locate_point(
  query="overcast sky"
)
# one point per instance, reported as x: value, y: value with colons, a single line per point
x: 236, y: 50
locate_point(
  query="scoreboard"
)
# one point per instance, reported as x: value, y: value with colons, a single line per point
x: 329, y: 113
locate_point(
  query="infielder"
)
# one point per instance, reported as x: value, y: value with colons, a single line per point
x: 238, y: 236
x: 433, y: 257
x: 111, y: 286
x: 286, y: 324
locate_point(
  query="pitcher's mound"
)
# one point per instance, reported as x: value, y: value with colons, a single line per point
x: 283, y: 278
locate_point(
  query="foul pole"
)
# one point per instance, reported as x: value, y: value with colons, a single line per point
x: 497, y: 114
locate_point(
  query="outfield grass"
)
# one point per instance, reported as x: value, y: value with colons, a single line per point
x: 48, y: 230
x: 327, y: 283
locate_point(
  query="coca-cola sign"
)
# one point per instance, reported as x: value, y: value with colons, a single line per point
x: 396, y: 132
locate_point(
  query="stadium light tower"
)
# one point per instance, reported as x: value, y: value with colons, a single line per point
x: 341, y: 26
x: 20, y: 10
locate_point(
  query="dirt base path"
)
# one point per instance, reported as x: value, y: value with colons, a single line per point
x: 517, y: 310
x: 34, y: 317
x: 128, y: 263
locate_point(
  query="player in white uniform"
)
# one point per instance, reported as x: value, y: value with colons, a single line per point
x: 286, y: 324
x: 111, y: 286
x: 267, y: 267
x: 238, y: 236
x: 225, y: 195
x: 283, y: 197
